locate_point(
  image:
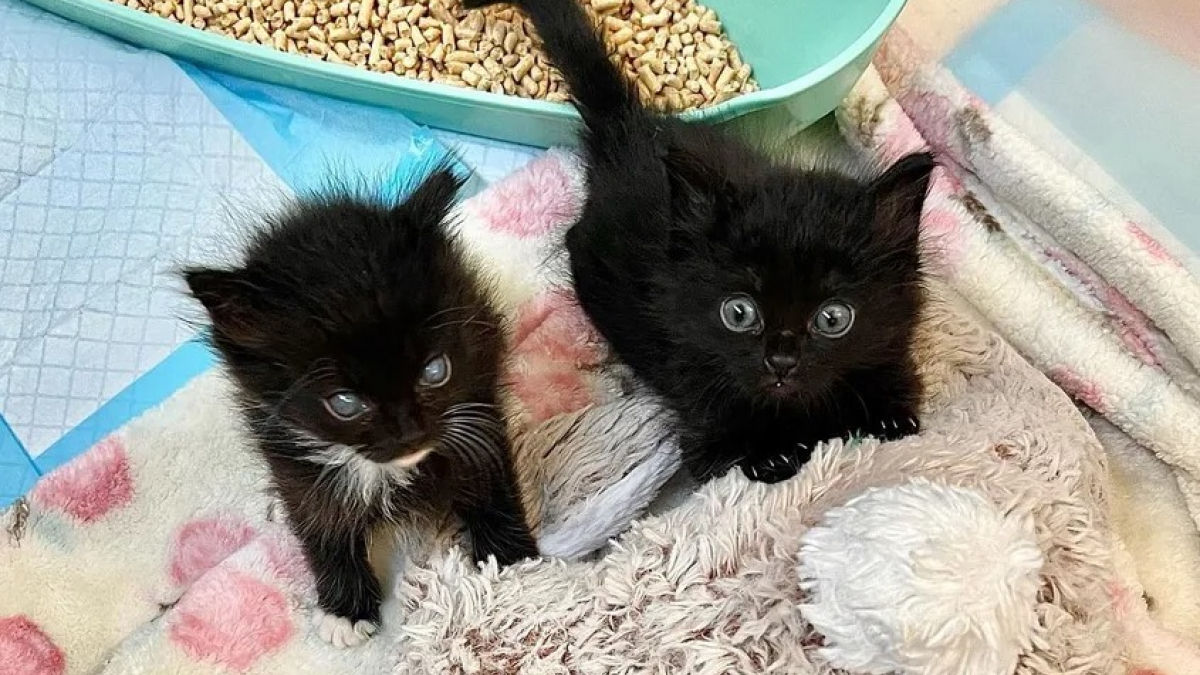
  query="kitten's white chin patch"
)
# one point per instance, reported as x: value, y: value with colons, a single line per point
x: 409, y: 461
x: 342, y: 632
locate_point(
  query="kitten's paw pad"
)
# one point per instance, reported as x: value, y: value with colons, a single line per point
x: 772, y: 470
x: 342, y: 632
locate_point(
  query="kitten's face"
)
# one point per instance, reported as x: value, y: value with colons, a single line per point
x: 800, y: 284
x: 356, y: 326
x: 386, y: 384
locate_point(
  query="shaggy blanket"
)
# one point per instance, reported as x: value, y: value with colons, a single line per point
x: 160, y: 550
x: 1090, y: 296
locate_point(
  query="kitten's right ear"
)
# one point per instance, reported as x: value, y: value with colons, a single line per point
x: 900, y: 195
x: 232, y: 303
x: 435, y: 196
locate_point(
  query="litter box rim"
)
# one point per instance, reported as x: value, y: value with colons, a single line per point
x: 803, y: 100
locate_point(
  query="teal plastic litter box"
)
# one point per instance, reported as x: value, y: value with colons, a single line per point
x: 806, y: 55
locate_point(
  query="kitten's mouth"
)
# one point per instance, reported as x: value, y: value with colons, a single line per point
x: 405, y: 459
x: 412, y: 459
x: 777, y: 388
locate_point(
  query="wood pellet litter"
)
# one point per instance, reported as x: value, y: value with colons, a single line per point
x: 675, y: 50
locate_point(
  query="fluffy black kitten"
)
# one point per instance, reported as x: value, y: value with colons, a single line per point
x: 771, y: 307
x: 367, y: 357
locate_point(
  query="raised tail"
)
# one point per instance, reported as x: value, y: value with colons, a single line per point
x: 574, y: 46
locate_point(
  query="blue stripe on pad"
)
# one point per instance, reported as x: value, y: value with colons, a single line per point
x: 17, y: 471
x: 186, y: 362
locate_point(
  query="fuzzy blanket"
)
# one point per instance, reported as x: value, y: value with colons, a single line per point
x: 160, y: 550
x: 1091, y: 297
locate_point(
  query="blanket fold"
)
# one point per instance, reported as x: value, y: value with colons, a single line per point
x: 1089, y: 296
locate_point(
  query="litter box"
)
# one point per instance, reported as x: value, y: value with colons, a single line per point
x: 806, y: 55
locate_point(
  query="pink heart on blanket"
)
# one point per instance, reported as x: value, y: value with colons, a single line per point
x: 1081, y: 388
x: 26, y: 650
x: 1153, y: 246
x: 202, y: 544
x: 554, y: 345
x: 533, y: 201
x: 92, y: 485
x: 231, y: 618
x: 553, y: 328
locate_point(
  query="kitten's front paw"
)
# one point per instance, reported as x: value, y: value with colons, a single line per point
x: 773, y: 470
x: 342, y: 632
x: 900, y: 426
x: 507, y: 551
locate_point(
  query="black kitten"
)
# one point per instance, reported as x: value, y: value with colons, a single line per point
x: 771, y: 307
x: 367, y: 357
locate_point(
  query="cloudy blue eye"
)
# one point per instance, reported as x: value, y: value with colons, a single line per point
x: 346, y: 405
x: 740, y: 314
x: 833, y: 319
x: 436, y: 371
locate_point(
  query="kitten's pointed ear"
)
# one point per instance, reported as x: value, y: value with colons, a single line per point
x: 900, y: 195
x: 233, y: 303
x: 434, y: 197
x: 701, y: 192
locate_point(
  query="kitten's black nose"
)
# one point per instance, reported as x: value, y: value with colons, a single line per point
x: 781, y: 365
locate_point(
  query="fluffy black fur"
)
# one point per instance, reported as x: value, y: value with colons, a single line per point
x: 680, y: 218
x: 338, y: 294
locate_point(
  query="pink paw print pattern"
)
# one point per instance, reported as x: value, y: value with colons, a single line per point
x: 1133, y: 327
x: 539, y: 198
x: 90, y: 487
x: 232, y: 619
x: 1081, y: 388
x: 26, y: 650
x: 1152, y: 246
x: 554, y: 346
x: 202, y: 544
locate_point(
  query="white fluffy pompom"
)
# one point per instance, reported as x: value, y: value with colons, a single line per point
x: 921, y: 579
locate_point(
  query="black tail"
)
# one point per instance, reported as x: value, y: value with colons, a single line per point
x: 574, y: 46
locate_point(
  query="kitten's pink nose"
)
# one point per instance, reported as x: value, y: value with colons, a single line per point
x: 781, y: 365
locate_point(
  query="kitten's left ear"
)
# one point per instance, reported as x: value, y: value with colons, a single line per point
x: 900, y: 195
x: 434, y: 197
x: 699, y: 190
x: 232, y: 302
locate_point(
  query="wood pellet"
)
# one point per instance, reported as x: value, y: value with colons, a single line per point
x: 675, y: 51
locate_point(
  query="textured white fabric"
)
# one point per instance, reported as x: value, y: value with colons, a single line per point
x: 922, y: 579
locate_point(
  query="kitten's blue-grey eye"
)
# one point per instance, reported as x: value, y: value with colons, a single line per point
x: 436, y: 372
x: 833, y: 319
x: 740, y: 314
x: 346, y: 406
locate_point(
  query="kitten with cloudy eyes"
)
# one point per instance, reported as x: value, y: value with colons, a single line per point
x: 367, y: 357
x: 771, y: 307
